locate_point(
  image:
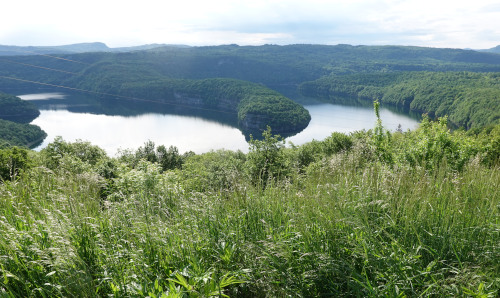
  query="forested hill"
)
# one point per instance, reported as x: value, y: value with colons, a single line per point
x: 282, y: 68
x: 70, y: 49
x: 471, y: 100
x: 15, y: 114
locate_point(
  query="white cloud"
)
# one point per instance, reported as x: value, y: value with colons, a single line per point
x: 457, y: 23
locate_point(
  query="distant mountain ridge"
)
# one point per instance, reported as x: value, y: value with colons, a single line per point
x: 6, y: 50
x: 492, y: 50
x: 77, y: 48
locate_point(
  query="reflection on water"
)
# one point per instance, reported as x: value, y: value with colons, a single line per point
x: 119, y: 132
x: 113, y: 124
x: 327, y: 118
x: 43, y: 96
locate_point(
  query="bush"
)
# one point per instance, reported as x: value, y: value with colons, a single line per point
x: 13, y: 161
x: 80, y: 152
x: 433, y: 144
x: 490, y: 139
x: 218, y: 170
x: 266, y: 159
x: 336, y: 143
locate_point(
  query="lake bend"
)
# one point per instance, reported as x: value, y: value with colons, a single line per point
x: 77, y: 116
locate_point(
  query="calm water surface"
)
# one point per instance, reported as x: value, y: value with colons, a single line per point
x: 62, y: 115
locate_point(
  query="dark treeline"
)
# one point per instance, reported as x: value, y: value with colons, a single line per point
x: 20, y: 134
x: 255, y: 105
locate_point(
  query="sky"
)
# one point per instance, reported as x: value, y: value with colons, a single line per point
x: 432, y: 23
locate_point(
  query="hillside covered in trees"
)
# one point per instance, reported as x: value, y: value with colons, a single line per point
x: 421, y: 74
x: 15, y: 114
x: 14, y: 108
x: 471, y: 100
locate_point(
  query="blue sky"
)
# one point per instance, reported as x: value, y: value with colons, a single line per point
x: 433, y: 23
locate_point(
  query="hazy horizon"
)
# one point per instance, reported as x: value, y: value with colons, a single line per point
x: 225, y: 44
x: 426, y: 23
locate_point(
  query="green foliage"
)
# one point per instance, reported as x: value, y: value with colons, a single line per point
x: 464, y: 96
x: 168, y: 159
x: 337, y: 142
x: 219, y: 171
x: 261, y: 110
x: 15, y: 109
x: 458, y: 83
x: 432, y: 144
x: 74, y: 157
x: 143, y: 180
x: 381, y: 138
x: 13, y: 161
x: 266, y: 159
x: 206, y: 285
x: 371, y: 214
x: 255, y: 105
x: 490, y: 140
x: 317, y: 150
x: 351, y: 224
x: 20, y: 134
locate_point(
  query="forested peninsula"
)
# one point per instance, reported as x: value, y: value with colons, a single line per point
x: 15, y: 109
x: 255, y: 105
x: 15, y: 114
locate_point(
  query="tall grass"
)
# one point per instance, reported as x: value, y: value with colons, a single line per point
x: 346, y: 224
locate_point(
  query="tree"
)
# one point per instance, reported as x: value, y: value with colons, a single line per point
x: 266, y: 159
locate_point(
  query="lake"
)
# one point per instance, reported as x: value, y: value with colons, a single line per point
x: 115, y: 128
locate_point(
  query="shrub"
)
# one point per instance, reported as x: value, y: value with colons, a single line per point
x: 13, y: 161
x: 433, y: 144
x: 266, y: 159
x: 79, y: 151
x: 214, y: 171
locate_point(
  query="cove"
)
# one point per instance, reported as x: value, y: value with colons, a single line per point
x: 116, y: 127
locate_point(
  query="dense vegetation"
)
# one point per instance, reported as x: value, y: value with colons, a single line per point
x: 469, y: 99
x: 20, y: 134
x: 69, y: 49
x: 15, y: 109
x: 373, y: 213
x: 282, y: 68
x: 256, y: 106
x: 17, y: 132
